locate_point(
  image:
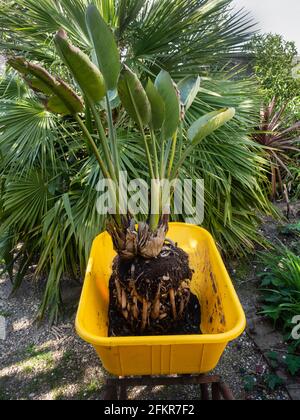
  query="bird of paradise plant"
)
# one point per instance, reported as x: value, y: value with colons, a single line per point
x: 158, y: 110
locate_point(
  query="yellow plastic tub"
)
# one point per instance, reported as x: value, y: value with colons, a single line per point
x: 223, y: 318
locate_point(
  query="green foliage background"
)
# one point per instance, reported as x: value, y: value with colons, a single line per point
x: 47, y: 177
x: 274, y: 59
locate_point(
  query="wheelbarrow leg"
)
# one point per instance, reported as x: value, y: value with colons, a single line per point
x: 123, y: 392
x: 110, y: 390
x: 204, y: 392
x: 215, y: 390
x: 226, y: 392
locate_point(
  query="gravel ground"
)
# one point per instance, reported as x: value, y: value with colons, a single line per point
x: 40, y: 362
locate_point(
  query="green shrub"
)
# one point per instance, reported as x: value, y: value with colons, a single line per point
x: 281, y: 286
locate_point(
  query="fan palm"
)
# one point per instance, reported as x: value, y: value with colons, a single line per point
x: 33, y: 139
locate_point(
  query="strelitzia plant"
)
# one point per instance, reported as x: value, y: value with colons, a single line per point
x: 158, y: 109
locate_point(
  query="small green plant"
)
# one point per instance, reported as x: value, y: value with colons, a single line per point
x: 293, y: 179
x: 267, y: 381
x: 293, y: 364
x: 5, y: 313
x: 289, y: 361
x: 37, y: 357
x: 281, y: 286
x: 273, y: 381
x: 281, y: 292
x: 293, y: 228
x: 249, y: 383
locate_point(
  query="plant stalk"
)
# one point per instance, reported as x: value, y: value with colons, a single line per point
x: 103, y: 168
x: 172, y: 155
x: 154, y: 150
x: 93, y: 146
x: 113, y: 138
x: 147, y: 150
x: 103, y: 140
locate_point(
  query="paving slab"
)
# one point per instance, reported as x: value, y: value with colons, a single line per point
x: 2, y: 328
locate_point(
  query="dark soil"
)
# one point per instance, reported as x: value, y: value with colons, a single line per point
x: 146, y: 280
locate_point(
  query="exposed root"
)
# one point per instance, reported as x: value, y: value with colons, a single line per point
x: 156, y: 306
x: 153, y: 294
x: 173, y: 303
x: 124, y: 300
x: 135, y: 309
x: 145, y: 315
x: 119, y: 291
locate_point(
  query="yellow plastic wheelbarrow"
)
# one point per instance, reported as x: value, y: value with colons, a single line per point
x: 223, y: 318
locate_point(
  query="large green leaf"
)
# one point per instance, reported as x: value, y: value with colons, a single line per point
x: 57, y: 106
x: 168, y: 91
x: 207, y: 124
x: 84, y: 71
x: 38, y: 85
x: 105, y: 47
x: 43, y: 81
x: 189, y: 89
x: 134, y: 97
x: 157, y: 106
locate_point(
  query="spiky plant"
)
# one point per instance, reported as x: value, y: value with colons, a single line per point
x: 280, y: 139
x: 158, y: 111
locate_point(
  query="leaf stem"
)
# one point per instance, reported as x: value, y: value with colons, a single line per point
x: 162, y: 159
x: 173, y: 152
x: 103, y: 140
x: 113, y: 138
x: 154, y: 150
x: 140, y: 123
x: 185, y: 155
x: 93, y: 146
x: 104, y: 170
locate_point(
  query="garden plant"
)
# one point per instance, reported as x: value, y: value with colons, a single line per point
x: 48, y: 175
x: 151, y: 275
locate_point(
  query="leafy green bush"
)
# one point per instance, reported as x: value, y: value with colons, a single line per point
x: 281, y: 286
x: 274, y: 60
